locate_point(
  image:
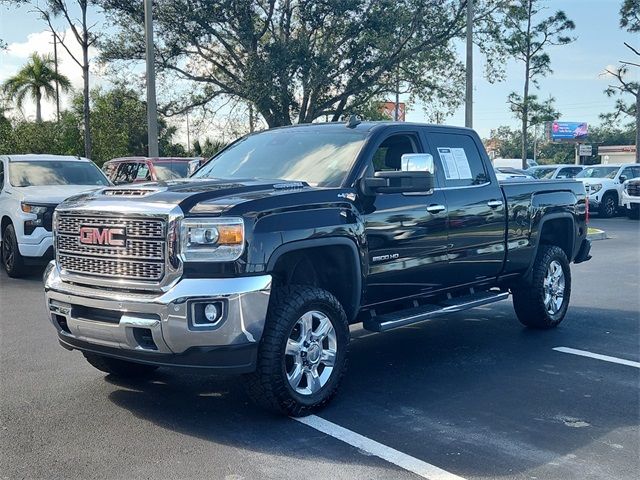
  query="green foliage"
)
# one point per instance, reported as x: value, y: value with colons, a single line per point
x: 630, y: 15
x: 36, y: 79
x: 299, y: 60
x: 208, y: 148
x: 118, y: 128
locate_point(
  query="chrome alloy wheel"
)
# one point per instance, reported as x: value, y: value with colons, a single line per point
x: 311, y: 352
x: 554, y: 288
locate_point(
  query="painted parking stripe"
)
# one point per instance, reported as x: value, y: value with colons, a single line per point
x: 402, y: 460
x: 605, y: 358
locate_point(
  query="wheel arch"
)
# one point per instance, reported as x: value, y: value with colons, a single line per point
x: 319, y: 262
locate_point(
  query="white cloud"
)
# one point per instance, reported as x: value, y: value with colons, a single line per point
x: 18, y: 53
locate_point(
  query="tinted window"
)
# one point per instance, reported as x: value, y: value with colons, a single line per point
x: 598, y: 172
x: 542, y: 173
x: 28, y: 174
x: 127, y: 173
x: 320, y: 156
x: 143, y: 173
x: 631, y: 172
x: 389, y: 154
x: 459, y: 158
x: 171, y: 170
x: 569, y: 172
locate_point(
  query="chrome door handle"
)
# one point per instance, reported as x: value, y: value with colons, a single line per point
x: 436, y: 208
x: 494, y: 203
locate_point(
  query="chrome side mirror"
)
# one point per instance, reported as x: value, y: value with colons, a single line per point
x: 417, y: 162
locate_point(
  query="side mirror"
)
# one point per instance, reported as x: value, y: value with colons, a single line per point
x: 622, y: 178
x: 416, y: 175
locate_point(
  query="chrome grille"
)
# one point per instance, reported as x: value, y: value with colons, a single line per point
x: 141, y: 258
x: 633, y: 189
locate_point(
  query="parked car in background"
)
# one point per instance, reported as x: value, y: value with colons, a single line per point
x: 631, y: 198
x: 513, y: 162
x: 508, y: 173
x: 31, y: 186
x: 549, y: 172
x: 603, y: 184
x: 142, y: 169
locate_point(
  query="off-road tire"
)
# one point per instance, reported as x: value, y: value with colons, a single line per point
x: 529, y: 294
x: 12, y: 260
x: 633, y: 213
x: 608, y: 205
x: 268, y: 386
x: 119, y: 368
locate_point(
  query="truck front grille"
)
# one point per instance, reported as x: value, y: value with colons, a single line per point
x: 633, y: 189
x: 137, y: 254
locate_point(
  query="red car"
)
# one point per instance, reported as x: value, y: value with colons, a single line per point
x: 143, y: 169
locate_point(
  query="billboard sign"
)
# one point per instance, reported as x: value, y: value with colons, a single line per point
x: 568, y: 131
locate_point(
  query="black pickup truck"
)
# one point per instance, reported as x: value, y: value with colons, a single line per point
x: 259, y: 263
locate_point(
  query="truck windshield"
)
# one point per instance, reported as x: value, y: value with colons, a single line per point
x: 542, y: 173
x: 40, y: 173
x: 321, y: 157
x: 598, y: 172
x: 171, y: 170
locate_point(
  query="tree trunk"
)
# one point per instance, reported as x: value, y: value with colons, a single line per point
x: 525, y: 96
x: 85, y: 80
x: 38, y: 106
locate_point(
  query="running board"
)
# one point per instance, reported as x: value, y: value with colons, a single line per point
x: 382, y: 323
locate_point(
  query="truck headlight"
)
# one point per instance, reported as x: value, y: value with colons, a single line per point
x: 39, y: 211
x: 212, y: 239
x: 596, y: 187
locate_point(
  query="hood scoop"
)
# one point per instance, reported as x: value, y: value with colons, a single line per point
x: 290, y: 185
x: 128, y: 192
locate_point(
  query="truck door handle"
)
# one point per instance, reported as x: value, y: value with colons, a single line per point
x: 494, y: 203
x: 436, y: 208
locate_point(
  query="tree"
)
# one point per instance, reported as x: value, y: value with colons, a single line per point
x: 85, y: 37
x: 299, y: 60
x: 629, y: 19
x: 36, y: 79
x: 630, y: 15
x: 526, y: 38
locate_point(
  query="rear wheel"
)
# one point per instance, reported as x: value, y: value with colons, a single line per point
x: 609, y: 205
x: 303, y: 351
x: 12, y: 260
x: 119, y: 368
x: 542, y: 301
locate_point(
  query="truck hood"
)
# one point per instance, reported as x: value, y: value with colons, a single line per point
x: 50, y: 194
x: 593, y: 181
x: 197, y: 196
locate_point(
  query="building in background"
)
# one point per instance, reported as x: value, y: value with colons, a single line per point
x: 612, y: 154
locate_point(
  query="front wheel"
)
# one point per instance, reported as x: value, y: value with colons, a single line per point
x: 543, y: 299
x: 634, y: 212
x: 303, y: 352
x: 608, y: 206
x: 12, y: 260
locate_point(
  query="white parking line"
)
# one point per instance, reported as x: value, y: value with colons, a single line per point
x: 402, y: 460
x: 606, y: 358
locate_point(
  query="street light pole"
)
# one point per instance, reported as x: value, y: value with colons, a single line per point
x: 152, y: 106
x: 468, y: 102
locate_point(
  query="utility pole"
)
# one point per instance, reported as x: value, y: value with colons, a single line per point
x: 396, y: 113
x: 55, y: 62
x: 152, y: 106
x: 468, y: 101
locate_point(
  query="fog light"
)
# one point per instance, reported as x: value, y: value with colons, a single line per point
x: 211, y: 312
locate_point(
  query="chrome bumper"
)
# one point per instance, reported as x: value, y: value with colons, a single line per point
x: 75, y: 312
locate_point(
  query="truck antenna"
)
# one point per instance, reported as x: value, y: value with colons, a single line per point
x: 353, y: 121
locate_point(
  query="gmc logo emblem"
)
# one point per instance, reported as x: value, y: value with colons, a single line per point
x: 102, y: 236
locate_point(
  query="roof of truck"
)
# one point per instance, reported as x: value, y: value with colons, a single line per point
x: 44, y: 157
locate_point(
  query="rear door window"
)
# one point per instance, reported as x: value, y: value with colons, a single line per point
x: 460, y: 159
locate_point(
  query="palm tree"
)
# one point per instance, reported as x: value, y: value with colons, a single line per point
x: 37, y: 79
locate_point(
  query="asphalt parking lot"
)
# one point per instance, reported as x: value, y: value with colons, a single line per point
x: 472, y: 395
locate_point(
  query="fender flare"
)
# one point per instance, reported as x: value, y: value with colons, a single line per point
x: 356, y: 295
x: 540, y: 227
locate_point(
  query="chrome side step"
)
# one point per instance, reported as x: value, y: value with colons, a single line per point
x: 382, y: 323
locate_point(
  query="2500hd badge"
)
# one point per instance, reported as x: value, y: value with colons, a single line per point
x: 258, y: 264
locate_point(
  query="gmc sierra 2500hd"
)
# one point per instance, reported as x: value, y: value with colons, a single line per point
x: 260, y: 262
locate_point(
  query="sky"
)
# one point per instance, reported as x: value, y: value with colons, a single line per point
x: 577, y: 81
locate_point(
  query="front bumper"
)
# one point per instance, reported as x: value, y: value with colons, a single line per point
x: 629, y: 201
x: 157, y: 328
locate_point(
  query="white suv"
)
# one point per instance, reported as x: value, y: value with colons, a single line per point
x: 603, y: 184
x: 31, y: 186
x: 631, y: 198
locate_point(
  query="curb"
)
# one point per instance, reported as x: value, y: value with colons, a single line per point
x: 596, y: 234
